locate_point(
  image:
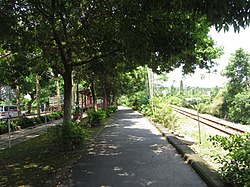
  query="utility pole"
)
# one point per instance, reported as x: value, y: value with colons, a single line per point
x: 151, y: 88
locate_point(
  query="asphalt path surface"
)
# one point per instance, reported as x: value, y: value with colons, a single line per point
x: 21, y: 135
x: 131, y: 152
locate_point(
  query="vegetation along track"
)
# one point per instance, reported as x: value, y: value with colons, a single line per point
x: 221, y: 126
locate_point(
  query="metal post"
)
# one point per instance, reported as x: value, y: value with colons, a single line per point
x: 198, y: 116
x: 151, y: 91
x: 9, y: 120
x: 45, y: 107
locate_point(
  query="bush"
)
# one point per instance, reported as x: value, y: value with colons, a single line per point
x: 22, y: 122
x: 124, y: 101
x: 42, y: 118
x: 175, y: 100
x: 55, y: 116
x: 146, y: 110
x: 68, y: 137
x: 26, y: 122
x: 218, y: 102
x: 110, y: 110
x: 236, y: 163
x: 96, y: 118
x: 37, y: 120
x: 204, y: 108
x: 3, y: 127
x: 240, y: 109
x: 138, y: 100
x: 164, y: 115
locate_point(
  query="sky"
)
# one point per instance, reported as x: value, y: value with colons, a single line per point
x: 231, y: 41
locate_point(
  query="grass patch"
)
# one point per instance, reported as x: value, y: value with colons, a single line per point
x: 205, y: 149
x: 35, y: 162
x: 94, y: 131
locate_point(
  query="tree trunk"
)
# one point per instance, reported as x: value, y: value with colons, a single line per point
x: 38, y: 94
x: 73, y: 90
x: 115, y: 100
x: 18, y: 100
x: 92, y: 88
x: 104, y: 97
x: 77, y: 97
x: 57, y: 87
x: 67, y: 77
x: 32, y: 95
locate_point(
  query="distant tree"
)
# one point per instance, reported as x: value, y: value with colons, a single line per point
x: 13, y: 72
x: 238, y: 73
x: 131, y: 82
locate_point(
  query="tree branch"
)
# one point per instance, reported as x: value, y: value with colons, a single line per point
x: 5, y: 55
x: 95, y: 58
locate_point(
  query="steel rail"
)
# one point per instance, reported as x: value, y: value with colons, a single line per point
x: 225, y: 128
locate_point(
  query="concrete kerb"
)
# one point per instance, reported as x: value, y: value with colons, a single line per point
x: 202, y: 168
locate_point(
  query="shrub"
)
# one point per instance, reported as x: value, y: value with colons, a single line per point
x: 216, y: 107
x: 137, y: 100
x: 42, y: 118
x: 37, y: 120
x: 164, y: 114
x: 240, y: 109
x: 96, y: 118
x: 55, y: 116
x: 175, y: 100
x: 3, y: 127
x: 26, y: 122
x: 68, y: 137
x: 236, y: 163
x: 124, y: 101
x: 110, y: 110
x: 204, y: 108
x: 146, y: 110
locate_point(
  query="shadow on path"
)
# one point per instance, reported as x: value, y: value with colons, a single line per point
x: 131, y: 152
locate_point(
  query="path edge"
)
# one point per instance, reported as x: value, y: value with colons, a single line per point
x: 201, y: 167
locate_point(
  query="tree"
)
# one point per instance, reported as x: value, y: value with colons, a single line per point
x: 222, y: 13
x: 238, y: 86
x: 162, y: 34
x: 238, y: 73
x: 131, y: 81
x: 13, y: 73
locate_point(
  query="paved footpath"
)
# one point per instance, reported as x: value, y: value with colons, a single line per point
x: 19, y: 136
x: 131, y: 152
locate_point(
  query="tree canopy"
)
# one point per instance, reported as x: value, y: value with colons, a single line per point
x: 162, y: 34
x: 238, y: 71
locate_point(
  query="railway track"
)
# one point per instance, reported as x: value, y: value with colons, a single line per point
x: 222, y: 126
